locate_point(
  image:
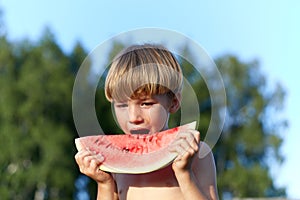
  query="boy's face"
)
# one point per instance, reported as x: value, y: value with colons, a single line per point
x: 147, y: 114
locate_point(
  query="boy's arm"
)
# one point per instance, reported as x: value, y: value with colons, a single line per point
x: 204, y: 171
x: 88, y: 163
x: 195, y: 172
x: 107, y: 191
x: 198, y: 183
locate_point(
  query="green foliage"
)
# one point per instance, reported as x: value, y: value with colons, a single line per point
x: 103, y: 107
x: 193, y: 76
x: 251, y: 135
x: 37, y: 133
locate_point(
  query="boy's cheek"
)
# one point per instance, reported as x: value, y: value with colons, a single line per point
x: 121, y: 113
x: 158, y: 113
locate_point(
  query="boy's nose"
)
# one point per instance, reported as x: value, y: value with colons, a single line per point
x: 134, y: 115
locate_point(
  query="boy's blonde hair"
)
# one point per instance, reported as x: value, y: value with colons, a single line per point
x: 143, y: 70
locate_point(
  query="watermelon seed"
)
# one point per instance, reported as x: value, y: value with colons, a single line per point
x: 109, y: 145
x: 125, y: 150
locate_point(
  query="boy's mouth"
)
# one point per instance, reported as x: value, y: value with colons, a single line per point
x: 140, y: 131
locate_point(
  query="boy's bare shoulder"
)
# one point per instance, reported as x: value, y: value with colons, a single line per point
x: 204, y: 165
x: 204, y: 150
x: 204, y: 157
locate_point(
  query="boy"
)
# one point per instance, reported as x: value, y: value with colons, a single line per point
x: 144, y: 86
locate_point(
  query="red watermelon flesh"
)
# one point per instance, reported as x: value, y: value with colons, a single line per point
x: 133, y: 154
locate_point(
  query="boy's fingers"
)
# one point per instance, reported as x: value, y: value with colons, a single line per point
x: 197, y: 136
x: 86, y: 158
x: 181, y: 146
x: 193, y: 138
x: 98, y: 157
x: 180, y: 150
x: 83, y: 152
x: 177, y: 148
x: 190, y: 134
x: 94, y: 164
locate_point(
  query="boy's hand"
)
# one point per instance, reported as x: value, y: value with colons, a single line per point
x: 89, y: 162
x: 186, y: 145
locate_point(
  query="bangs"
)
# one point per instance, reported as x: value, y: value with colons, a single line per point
x: 145, y: 80
x: 143, y: 70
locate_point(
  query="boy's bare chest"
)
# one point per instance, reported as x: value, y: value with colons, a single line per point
x: 162, y: 184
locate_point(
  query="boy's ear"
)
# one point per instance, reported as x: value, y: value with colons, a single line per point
x: 175, y: 103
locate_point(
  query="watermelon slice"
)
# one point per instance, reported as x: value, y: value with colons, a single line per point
x: 133, y: 153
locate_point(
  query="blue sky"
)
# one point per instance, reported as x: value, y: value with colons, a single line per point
x: 266, y: 30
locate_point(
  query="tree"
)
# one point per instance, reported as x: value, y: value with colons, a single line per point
x: 250, y: 138
x: 251, y: 135
x: 37, y: 132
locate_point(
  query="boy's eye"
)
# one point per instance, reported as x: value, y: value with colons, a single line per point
x: 123, y: 105
x: 145, y: 104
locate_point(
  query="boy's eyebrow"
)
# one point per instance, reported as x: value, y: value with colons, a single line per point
x: 116, y: 101
x: 142, y: 98
x: 138, y: 98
